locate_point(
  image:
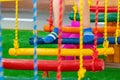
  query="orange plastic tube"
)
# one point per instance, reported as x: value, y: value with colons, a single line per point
x: 66, y: 29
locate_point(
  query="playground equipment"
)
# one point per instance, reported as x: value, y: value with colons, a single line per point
x: 30, y: 50
x: 111, y: 29
x: 1, y: 59
x: 64, y: 52
x: 17, y: 51
x: 105, y: 41
x: 63, y: 65
x: 51, y: 65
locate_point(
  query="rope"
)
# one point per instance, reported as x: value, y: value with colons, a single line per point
x: 81, y: 71
x: 117, y: 29
x: 89, y: 2
x: 75, y: 9
x: 35, y: 39
x: 16, y: 44
x: 50, y: 20
x: 60, y: 39
x: 105, y: 17
x: 95, y: 52
x: 106, y: 43
x: 1, y: 64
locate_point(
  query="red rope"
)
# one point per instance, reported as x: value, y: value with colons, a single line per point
x: 95, y: 54
x: 59, y: 39
x: 50, y: 20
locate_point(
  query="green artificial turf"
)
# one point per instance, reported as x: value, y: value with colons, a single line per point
x: 8, y: 36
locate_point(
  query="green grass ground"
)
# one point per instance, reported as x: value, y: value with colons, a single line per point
x: 8, y: 36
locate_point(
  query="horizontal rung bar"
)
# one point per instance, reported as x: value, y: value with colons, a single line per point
x: 71, y: 29
x: 51, y: 65
x: 76, y: 41
x: 54, y: 51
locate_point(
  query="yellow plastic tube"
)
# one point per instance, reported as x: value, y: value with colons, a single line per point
x: 54, y: 51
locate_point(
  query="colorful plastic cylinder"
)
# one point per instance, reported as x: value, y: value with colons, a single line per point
x: 112, y: 17
x: 76, y: 41
x: 64, y: 52
x: 102, y: 9
x: 51, y: 65
x: 66, y: 29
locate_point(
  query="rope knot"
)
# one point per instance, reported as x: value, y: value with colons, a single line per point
x: 50, y: 22
x: 105, y: 45
x: 16, y: 46
x: 117, y: 33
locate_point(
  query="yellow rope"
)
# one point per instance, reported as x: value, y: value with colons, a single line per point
x: 16, y: 44
x: 81, y: 71
x: 105, y: 28
x: 106, y: 42
x: 75, y: 9
x: 117, y: 29
x: 89, y: 2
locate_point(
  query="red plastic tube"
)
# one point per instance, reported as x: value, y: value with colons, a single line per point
x: 102, y: 9
x: 51, y: 65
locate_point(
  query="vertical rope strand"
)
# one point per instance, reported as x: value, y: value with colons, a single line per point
x: 117, y: 29
x: 16, y: 23
x: 51, y: 12
x: 35, y: 39
x: 1, y: 64
x: 75, y: 9
x: 89, y: 2
x: 60, y: 39
x: 106, y: 42
x: 105, y: 30
x: 95, y: 52
x: 96, y: 30
x: 81, y: 70
x: 16, y: 44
